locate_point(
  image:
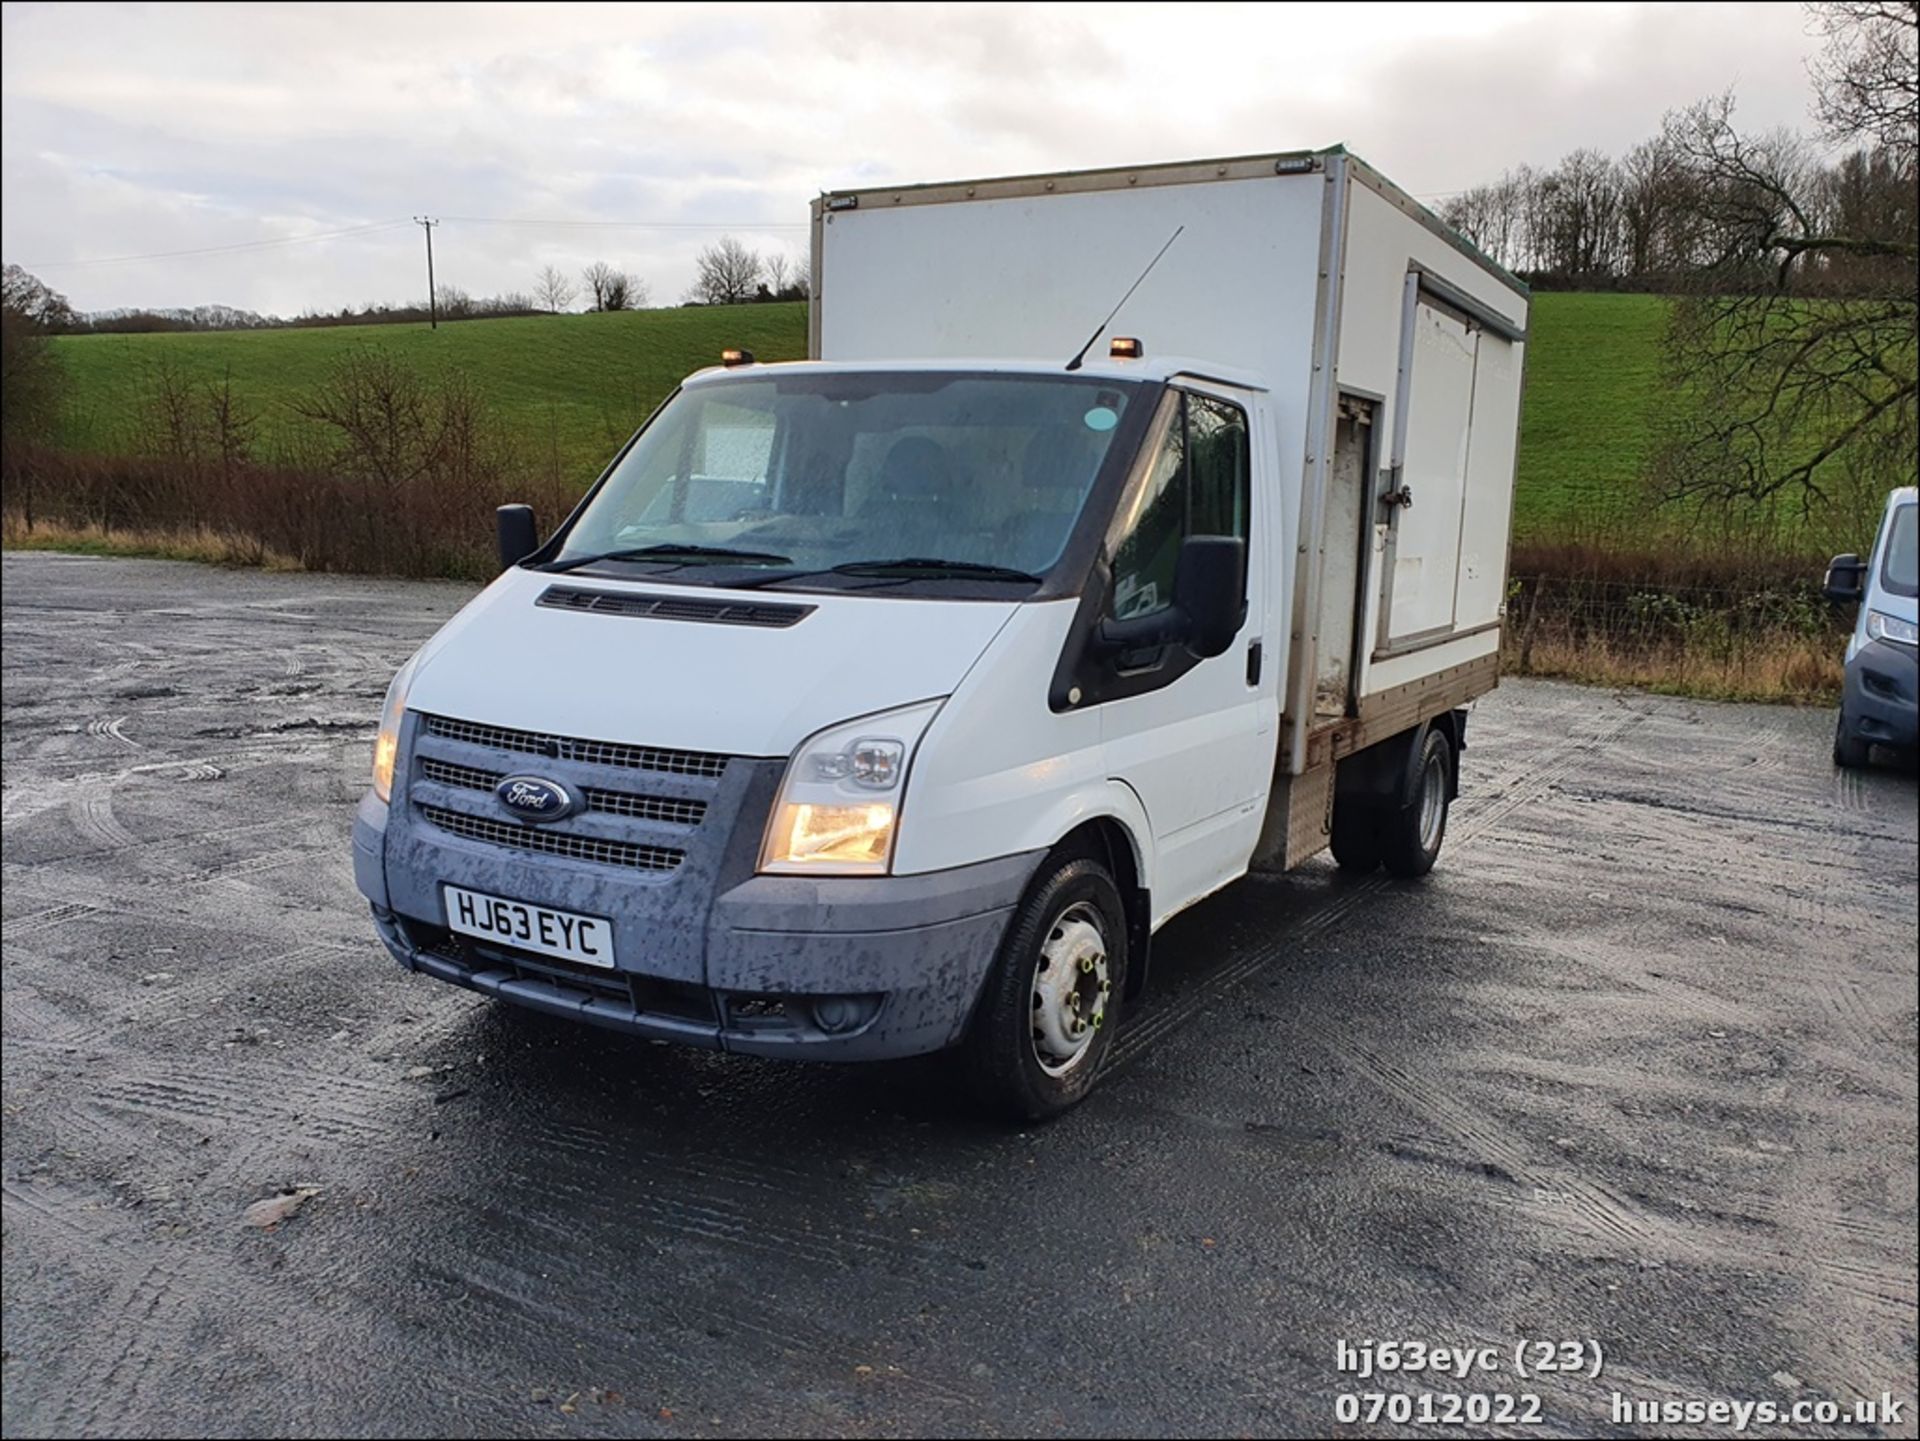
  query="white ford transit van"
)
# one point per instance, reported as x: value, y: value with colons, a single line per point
x: 888, y: 702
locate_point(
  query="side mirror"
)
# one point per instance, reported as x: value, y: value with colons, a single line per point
x: 1845, y: 579
x: 1209, y: 586
x: 1209, y: 589
x: 517, y: 534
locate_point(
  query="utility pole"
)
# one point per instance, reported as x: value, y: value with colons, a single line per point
x: 433, y: 302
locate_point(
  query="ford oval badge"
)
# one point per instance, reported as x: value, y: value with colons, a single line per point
x: 534, y: 799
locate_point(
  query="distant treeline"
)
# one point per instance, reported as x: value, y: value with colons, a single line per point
x: 1644, y: 222
x: 729, y: 273
x: 455, y: 304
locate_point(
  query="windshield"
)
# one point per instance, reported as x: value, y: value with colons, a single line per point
x: 802, y: 473
x: 1900, y: 571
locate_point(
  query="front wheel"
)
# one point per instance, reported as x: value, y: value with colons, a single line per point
x: 1411, y: 835
x: 1850, y: 753
x: 1047, y: 1016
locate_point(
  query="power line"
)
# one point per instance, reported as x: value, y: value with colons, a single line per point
x: 370, y: 229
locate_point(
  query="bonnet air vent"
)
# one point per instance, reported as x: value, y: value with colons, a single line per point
x: 768, y: 616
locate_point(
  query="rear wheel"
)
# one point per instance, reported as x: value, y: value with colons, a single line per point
x: 1411, y: 835
x: 1047, y: 1017
x: 1849, y: 751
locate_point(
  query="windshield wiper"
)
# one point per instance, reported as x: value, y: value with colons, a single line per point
x: 676, y: 552
x: 968, y: 569
x: 915, y: 567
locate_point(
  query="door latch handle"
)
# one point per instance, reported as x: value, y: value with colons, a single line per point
x: 1402, y: 497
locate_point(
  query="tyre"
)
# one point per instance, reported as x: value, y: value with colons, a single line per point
x: 1047, y: 1015
x: 1356, y: 836
x: 1849, y: 751
x: 1410, y: 836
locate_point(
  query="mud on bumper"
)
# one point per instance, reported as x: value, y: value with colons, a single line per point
x: 832, y: 969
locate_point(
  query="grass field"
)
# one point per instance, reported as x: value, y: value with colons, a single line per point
x: 571, y: 388
x: 1593, y: 381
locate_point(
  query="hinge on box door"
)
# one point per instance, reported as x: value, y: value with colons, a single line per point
x: 1360, y: 412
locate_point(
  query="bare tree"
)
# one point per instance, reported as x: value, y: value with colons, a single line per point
x: 600, y: 278
x: 455, y: 303
x: 553, y: 290
x: 1796, y: 350
x: 728, y: 273
x: 778, y: 269
x: 624, y: 292
x: 1868, y: 78
x: 32, y: 382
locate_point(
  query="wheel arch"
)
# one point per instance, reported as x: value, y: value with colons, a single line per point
x: 1108, y: 839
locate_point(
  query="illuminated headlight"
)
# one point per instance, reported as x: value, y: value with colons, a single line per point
x: 386, y: 743
x: 839, y: 806
x: 1881, y: 626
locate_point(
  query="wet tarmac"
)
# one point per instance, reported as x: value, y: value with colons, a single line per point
x: 1636, y: 1065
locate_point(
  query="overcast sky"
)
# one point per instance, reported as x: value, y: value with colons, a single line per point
x: 130, y: 130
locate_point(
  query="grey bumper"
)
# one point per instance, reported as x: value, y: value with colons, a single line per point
x: 1882, y: 696
x: 834, y: 969
x: 912, y: 950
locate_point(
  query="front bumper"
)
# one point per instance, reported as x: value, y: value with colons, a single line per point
x: 1882, y: 696
x: 835, y: 969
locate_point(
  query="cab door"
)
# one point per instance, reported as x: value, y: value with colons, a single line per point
x: 1194, y: 738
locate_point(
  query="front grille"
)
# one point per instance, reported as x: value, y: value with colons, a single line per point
x: 613, y: 803
x: 555, y: 843
x: 568, y: 748
x: 646, y: 995
x: 767, y: 614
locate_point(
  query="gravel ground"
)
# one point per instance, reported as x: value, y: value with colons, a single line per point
x: 1636, y: 1064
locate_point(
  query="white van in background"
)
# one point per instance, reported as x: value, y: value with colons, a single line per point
x: 888, y: 702
x: 1880, y: 703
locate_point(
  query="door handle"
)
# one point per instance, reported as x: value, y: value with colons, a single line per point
x: 1253, y: 662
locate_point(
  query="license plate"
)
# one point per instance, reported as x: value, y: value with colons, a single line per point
x: 586, y: 939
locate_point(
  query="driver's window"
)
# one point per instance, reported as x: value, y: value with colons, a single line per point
x: 1198, y: 484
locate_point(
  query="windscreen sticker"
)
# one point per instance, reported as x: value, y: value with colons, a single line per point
x: 1101, y: 418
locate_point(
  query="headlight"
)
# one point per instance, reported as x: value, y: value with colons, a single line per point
x: 839, y: 805
x: 1881, y: 626
x: 386, y: 742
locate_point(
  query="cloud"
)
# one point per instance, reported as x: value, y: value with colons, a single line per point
x: 130, y: 130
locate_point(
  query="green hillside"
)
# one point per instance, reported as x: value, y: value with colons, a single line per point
x: 575, y: 385
x: 1593, y: 372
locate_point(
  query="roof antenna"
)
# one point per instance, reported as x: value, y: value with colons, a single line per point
x: 1074, y: 364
